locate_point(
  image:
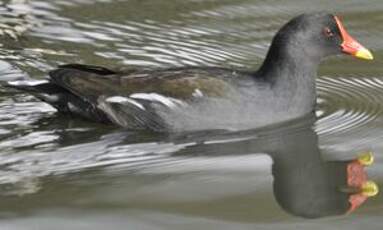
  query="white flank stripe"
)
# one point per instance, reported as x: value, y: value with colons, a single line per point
x: 197, y: 93
x: 27, y: 82
x: 122, y: 100
x: 116, y: 99
x: 168, y: 101
x: 179, y: 102
x: 50, y: 97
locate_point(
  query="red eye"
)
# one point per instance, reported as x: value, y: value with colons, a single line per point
x: 327, y: 32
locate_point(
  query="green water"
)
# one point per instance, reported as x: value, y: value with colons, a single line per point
x: 58, y: 172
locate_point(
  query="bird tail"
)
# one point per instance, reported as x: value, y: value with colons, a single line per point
x: 42, y: 89
x: 60, y: 98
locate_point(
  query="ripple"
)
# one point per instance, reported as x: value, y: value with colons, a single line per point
x: 17, y: 16
x: 159, y: 33
x: 108, y: 150
x: 347, y: 103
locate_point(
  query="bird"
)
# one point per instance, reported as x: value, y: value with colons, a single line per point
x: 199, y: 98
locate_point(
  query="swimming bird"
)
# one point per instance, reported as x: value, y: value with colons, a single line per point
x: 192, y: 98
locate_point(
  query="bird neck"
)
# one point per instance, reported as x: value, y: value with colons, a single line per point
x: 290, y: 62
x: 291, y: 74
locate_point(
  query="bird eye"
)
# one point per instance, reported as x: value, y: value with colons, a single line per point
x: 327, y: 32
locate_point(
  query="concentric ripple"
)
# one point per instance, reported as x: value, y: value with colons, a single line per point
x: 347, y: 103
x: 159, y: 33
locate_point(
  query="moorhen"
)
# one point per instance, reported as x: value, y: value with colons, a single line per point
x: 192, y: 98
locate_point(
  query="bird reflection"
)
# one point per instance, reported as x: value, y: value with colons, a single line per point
x: 305, y: 184
x: 168, y: 172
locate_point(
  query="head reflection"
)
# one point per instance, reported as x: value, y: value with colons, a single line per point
x: 305, y: 184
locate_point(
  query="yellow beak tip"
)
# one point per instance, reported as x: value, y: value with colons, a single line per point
x: 364, y: 54
x: 370, y: 189
x: 366, y: 159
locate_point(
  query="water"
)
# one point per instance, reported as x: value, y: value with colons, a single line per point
x: 62, y: 173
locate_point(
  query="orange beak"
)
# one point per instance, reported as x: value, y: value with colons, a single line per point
x: 357, y: 184
x: 350, y: 45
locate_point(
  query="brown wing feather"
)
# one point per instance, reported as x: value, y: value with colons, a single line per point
x: 90, y: 82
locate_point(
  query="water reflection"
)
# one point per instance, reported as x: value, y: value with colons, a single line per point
x: 215, y: 173
x: 305, y: 184
x: 16, y: 17
x: 67, y: 171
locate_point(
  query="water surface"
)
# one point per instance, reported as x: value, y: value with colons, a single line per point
x: 57, y: 172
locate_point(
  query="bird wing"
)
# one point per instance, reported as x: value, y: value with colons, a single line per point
x: 90, y: 82
x: 136, y: 98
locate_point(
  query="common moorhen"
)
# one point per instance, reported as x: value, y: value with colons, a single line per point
x: 190, y: 98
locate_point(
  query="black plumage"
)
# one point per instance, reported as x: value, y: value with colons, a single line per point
x: 212, y: 97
